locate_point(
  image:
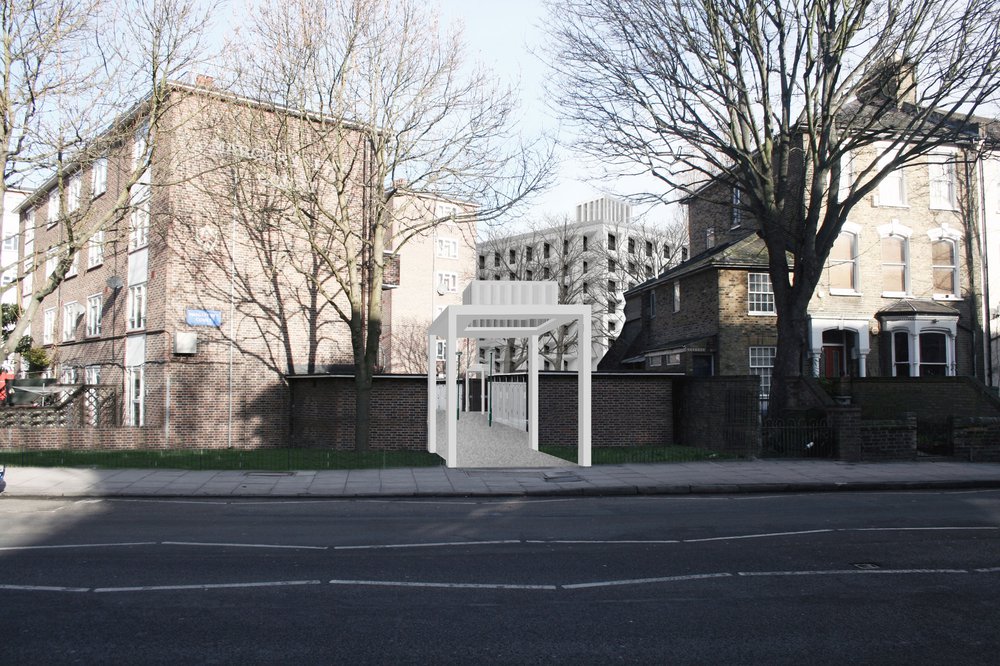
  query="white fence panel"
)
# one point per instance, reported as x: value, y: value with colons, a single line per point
x: 510, y: 403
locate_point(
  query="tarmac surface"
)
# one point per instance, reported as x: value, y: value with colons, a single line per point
x: 725, y: 477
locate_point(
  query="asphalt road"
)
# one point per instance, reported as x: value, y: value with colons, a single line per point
x: 859, y: 577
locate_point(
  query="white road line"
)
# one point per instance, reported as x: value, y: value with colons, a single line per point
x: 425, y: 545
x: 44, y: 588
x: 165, y: 501
x: 476, y: 586
x: 644, y: 581
x: 242, y: 545
x: 842, y: 572
x: 80, y: 545
x: 756, y: 536
x: 209, y: 586
x: 988, y: 570
x: 910, y: 529
x: 596, y: 541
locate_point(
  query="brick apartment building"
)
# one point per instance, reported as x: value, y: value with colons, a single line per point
x: 900, y: 295
x: 200, y: 300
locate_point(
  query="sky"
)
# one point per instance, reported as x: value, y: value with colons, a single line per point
x: 507, y: 36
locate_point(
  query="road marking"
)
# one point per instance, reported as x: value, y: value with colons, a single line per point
x: 839, y: 572
x: 476, y: 586
x: 80, y: 545
x: 426, y: 545
x: 644, y: 581
x: 209, y: 586
x: 242, y: 545
x: 586, y: 541
x: 44, y: 588
x: 909, y: 529
x: 989, y: 570
x: 756, y: 536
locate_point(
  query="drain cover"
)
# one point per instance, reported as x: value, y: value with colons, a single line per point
x: 866, y: 565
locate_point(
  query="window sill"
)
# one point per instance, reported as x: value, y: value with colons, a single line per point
x: 947, y: 209
x: 762, y: 314
x: 947, y: 297
x: 845, y: 292
x: 90, y: 268
x: 903, y: 206
x: 896, y: 294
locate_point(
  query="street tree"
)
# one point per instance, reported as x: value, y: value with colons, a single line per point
x: 364, y: 101
x: 772, y: 98
x: 80, y: 78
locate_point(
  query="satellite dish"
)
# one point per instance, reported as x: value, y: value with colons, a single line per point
x: 115, y: 282
x: 441, y: 290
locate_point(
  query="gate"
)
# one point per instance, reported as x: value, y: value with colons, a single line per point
x: 797, y: 436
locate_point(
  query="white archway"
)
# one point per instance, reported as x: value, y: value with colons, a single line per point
x: 508, y: 309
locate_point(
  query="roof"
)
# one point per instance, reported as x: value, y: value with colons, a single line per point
x: 747, y: 251
x: 914, y: 306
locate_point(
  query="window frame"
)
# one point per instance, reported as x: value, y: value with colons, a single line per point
x: 99, y: 177
x: 944, y: 161
x: 95, y: 249
x: 137, y: 301
x: 135, y: 395
x: 52, y: 208
x: 904, y: 265
x: 760, y: 301
x: 139, y: 220
x: 49, y: 326
x: 94, y: 315
x: 448, y: 280
x: 853, y: 236
x: 897, y: 195
x: 951, y: 268
x: 446, y: 248
x: 73, y: 192
x: 69, y: 321
x: 677, y: 296
x: 755, y: 357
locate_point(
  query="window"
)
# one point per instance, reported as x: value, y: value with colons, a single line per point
x: 612, y: 305
x: 585, y: 242
x: 631, y: 268
x: 74, y: 265
x: 631, y: 246
x: 612, y: 242
x: 846, y: 176
x: 139, y: 228
x: 140, y: 145
x: 137, y: 306
x: 546, y: 249
x: 652, y: 305
x: 586, y: 288
x: 496, y: 259
x: 655, y: 361
x: 529, y: 275
x: 73, y: 193
x: 511, y: 256
x: 933, y: 354
x: 546, y: 273
x: 612, y: 326
x: 53, y: 207
x: 649, y: 248
x: 945, y: 268
x: 677, y: 296
x: 565, y: 246
x: 612, y: 286
x: 51, y: 261
x: 94, y: 306
x: 482, y: 261
x: 49, y: 327
x: 69, y: 322
x: 135, y: 396
x: 586, y: 266
x: 95, y: 250
x: 447, y: 282
x: 737, y: 210
x: 943, y: 182
x: 762, y: 365
x: 99, y: 176
x: 760, y: 294
x: 710, y: 237
x: 844, y: 264
x: 648, y: 271
x: 92, y: 376
x: 10, y: 243
x: 892, y: 188
x: 68, y: 375
x: 441, y: 350
x: 895, y: 271
x: 612, y: 265
x: 529, y: 253
x: 447, y: 248
x: 673, y: 359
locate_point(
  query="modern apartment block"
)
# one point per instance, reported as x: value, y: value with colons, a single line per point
x: 595, y: 259
x: 201, y: 295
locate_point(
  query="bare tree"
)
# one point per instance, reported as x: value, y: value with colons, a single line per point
x: 70, y: 67
x: 772, y: 98
x: 364, y: 100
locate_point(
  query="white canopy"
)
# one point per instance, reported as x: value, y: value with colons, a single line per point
x: 495, y: 309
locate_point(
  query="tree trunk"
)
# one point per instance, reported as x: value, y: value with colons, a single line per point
x: 363, y: 406
x: 793, y: 321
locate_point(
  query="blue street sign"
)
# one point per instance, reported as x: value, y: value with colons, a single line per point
x: 204, y: 317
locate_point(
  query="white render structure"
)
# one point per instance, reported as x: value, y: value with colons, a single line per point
x: 9, y: 252
x: 989, y: 204
x: 502, y: 310
x: 593, y: 260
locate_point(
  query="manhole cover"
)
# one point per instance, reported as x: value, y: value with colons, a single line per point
x: 866, y: 565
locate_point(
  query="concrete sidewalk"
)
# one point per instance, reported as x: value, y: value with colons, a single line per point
x: 771, y: 476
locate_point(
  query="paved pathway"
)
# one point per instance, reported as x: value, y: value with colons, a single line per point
x: 483, y: 445
x: 696, y: 477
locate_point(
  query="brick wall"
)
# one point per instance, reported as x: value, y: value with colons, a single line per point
x: 626, y: 409
x: 976, y: 439
x: 889, y: 439
x: 718, y: 413
x: 933, y: 399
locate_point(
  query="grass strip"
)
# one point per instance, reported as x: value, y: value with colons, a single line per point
x: 623, y: 455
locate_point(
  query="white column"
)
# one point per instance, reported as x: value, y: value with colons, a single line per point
x: 451, y: 400
x: 482, y: 391
x: 533, y: 391
x: 862, y: 364
x: 431, y: 393
x: 914, y: 341
x: 814, y: 357
x: 583, y: 387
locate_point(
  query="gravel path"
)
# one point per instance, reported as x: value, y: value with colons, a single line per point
x: 480, y: 445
